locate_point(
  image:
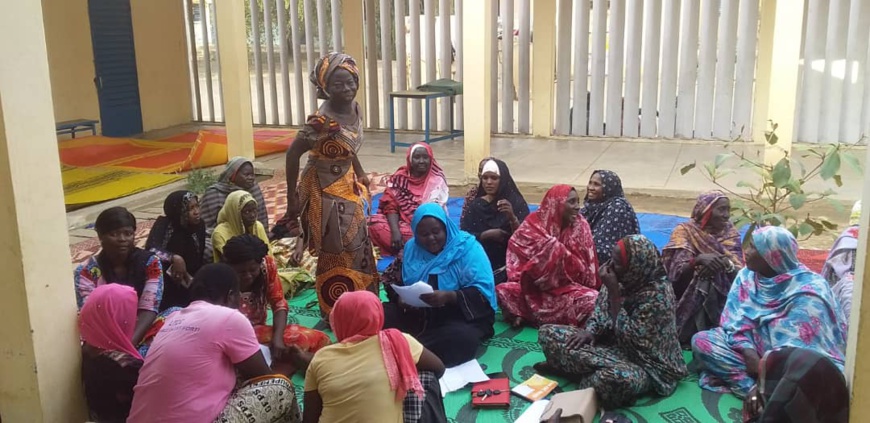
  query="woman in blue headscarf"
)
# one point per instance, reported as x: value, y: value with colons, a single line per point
x: 462, y: 306
x: 775, y: 302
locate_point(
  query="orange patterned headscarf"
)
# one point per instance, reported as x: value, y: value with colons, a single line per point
x: 326, y: 66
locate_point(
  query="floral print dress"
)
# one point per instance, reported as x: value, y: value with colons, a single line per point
x: 639, y: 352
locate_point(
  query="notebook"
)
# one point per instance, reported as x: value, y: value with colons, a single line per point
x: 535, y: 388
x: 494, y: 393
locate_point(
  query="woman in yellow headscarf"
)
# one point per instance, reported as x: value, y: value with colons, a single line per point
x: 238, y: 216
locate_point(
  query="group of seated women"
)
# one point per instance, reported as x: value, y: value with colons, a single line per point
x: 161, y: 339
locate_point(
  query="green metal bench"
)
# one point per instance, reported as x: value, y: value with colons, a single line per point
x: 72, y: 126
x: 431, y: 91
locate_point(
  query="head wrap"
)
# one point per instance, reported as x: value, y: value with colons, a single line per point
x: 326, y: 66
x: 359, y: 315
x: 108, y: 318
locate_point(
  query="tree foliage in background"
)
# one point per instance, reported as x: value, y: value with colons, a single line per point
x: 778, y: 194
x: 198, y: 180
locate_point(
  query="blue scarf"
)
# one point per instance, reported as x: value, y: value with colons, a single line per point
x: 462, y: 263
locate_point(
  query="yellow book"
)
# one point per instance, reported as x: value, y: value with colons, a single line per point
x: 535, y: 388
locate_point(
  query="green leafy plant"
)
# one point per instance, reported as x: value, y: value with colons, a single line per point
x: 779, y: 193
x: 198, y: 180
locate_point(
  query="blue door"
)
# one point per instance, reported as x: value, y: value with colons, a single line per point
x: 115, y: 65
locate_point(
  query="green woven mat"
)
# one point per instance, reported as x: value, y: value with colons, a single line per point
x: 514, y: 351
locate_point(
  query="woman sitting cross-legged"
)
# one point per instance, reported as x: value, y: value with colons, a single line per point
x: 775, y: 302
x: 178, y: 238
x: 190, y: 373
x: 110, y: 361
x: 609, y: 214
x: 628, y: 347
x: 551, y: 265
x: 120, y: 261
x: 260, y: 288
x: 494, y: 213
x: 702, y: 258
x: 419, y: 181
x: 463, y: 304
x: 237, y: 217
x: 368, y: 374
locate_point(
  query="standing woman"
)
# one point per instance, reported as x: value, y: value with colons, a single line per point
x: 609, y: 214
x: 494, y: 213
x: 332, y: 192
x: 178, y: 239
x: 419, y: 181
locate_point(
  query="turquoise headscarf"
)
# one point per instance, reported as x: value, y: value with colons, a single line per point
x: 795, y: 308
x: 461, y: 264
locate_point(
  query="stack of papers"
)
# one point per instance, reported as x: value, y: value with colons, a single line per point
x: 411, y: 294
x: 455, y: 378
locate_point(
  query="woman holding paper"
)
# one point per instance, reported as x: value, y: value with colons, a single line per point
x: 460, y: 310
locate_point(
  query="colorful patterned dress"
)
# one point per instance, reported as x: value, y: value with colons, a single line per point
x: 638, y: 353
x: 333, y: 211
x: 552, y: 271
x: 795, y: 308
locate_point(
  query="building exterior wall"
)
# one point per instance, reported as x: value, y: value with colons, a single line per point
x: 161, y: 56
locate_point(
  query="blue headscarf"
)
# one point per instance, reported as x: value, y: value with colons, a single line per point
x: 461, y: 264
x: 795, y: 308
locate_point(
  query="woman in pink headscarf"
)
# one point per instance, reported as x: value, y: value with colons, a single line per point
x: 110, y: 362
x: 419, y: 181
x: 367, y: 375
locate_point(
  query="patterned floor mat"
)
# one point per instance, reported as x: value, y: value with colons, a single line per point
x: 514, y: 351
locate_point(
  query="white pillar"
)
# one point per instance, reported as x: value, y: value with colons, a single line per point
x: 235, y: 77
x: 779, y: 43
x: 858, y: 346
x: 354, y: 33
x: 40, y: 379
x: 477, y: 50
x: 543, y: 66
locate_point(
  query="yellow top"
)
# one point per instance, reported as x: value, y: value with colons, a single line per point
x: 352, y: 381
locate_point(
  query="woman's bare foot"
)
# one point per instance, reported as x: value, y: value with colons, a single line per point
x: 544, y: 367
x: 300, y: 358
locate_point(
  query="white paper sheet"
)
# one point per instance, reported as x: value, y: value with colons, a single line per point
x: 411, y: 294
x: 267, y: 354
x: 455, y: 378
x: 534, y: 412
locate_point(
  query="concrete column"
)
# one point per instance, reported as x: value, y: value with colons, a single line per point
x: 858, y: 347
x: 39, y: 343
x: 235, y: 77
x: 354, y: 34
x: 543, y: 66
x: 779, y: 43
x: 477, y: 109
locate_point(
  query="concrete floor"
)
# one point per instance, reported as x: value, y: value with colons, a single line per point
x: 649, y: 169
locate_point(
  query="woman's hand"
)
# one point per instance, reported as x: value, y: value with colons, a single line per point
x: 364, y: 180
x: 439, y: 298
x: 709, y: 264
x: 752, y: 359
x: 178, y: 269
x: 396, y: 241
x: 505, y: 207
x: 608, y: 278
x: 298, y: 252
x: 580, y: 339
x: 278, y: 348
x: 752, y: 404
